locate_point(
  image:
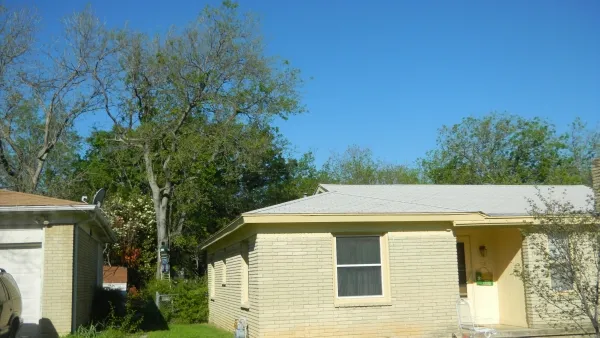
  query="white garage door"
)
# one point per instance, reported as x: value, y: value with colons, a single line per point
x: 24, y: 262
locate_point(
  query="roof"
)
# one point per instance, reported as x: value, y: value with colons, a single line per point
x: 14, y: 199
x: 21, y: 209
x: 497, y: 200
x: 114, y: 274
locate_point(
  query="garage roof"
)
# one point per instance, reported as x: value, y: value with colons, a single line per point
x: 13, y: 199
x: 20, y: 209
x: 494, y: 200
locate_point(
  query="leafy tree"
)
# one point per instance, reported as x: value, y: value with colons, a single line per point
x: 134, y: 223
x: 173, y: 100
x: 508, y: 149
x: 42, y: 92
x: 358, y: 166
x: 565, y: 245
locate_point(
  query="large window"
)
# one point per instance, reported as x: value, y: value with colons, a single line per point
x: 358, y: 266
x: 561, y: 274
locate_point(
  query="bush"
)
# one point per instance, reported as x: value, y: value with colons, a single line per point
x: 191, y: 302
x: 190, y: 299
x: 113, y: 313
x: 106, y: 303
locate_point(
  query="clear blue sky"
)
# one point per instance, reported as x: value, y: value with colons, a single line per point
x: 388, y: 74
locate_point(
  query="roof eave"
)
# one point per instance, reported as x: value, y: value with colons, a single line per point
x: 94, y: 213
x: 257, y: 218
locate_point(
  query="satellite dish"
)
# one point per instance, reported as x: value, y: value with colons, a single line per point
x: 99, y: 197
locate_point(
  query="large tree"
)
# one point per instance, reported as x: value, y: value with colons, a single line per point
x: 217, y: 193
x: 43, y: 90
x: 508, y: 149
x: 173, y: 100
x: 359, y: 166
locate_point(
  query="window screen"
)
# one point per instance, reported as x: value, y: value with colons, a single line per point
x: 358, y: 261
x: 560, y: 269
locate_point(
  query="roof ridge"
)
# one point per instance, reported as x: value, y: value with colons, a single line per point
x: 397, y: 201
x: 288, y: 202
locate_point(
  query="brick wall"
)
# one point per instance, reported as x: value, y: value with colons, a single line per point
x: 226, y: 305
x: 58, y: 280
x: 539, y: 313
x: 296, y: 284
x: 87, y: 275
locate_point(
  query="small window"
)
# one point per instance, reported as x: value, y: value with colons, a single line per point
x: 358, y: 266
x: 245, y: 272
x: 561, y: 274
x: 224, y: 272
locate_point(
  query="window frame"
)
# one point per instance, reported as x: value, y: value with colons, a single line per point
x: 224, y: 272
x: 245, y: 275
x: 553, y: 285
x: 370, y: 300
x: 213, y: 277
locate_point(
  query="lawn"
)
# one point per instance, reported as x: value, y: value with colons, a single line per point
x: 175, y: 331
x: 191, y: 331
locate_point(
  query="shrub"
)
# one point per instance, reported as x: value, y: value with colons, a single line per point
x: 106, y: 303
x: 191, y: 302
x: 190, y: 299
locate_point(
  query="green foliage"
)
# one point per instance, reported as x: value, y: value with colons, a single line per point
x: 191, y: 302
x: 133, y: 221
x: 190, y: 299
x: 191, y: 331
x: 358, y: 166
x: 508, y: 149
x: 112, y: 311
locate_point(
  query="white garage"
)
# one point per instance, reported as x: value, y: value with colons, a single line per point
x: 21, y: 255
x: 53, y: 249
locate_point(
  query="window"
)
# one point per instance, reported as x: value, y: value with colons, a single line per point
x: 212, y: 276
x: 224, y: 272
x: 560, y: 267
x: 358, y: 266
x: 244, y: 272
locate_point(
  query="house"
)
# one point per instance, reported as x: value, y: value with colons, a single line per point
x: 53, y: 249
x: 114, y: 278
x: 378, y: 261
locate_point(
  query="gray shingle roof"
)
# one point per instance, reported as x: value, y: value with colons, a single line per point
x: 411, y: 198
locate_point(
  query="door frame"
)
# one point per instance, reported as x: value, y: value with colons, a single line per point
x: 466, y: 240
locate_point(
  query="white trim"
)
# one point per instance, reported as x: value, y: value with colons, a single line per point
x: 50, y: 215
x: 380, y: 265
x: 82, y: 207
x: 355, y: 265
x: 42, y: 273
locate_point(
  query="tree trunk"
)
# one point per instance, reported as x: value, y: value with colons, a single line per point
x: 161, y: 227
x: 160, y: 199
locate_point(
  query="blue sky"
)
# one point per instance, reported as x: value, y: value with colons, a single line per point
x: 387, y: 74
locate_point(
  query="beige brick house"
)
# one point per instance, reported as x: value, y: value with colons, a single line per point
x: 378, y: 261
x: 53, y: 249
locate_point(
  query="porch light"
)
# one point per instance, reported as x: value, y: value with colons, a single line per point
x: 482, y: 250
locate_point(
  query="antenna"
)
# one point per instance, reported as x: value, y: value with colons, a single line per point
x: 99, y: 197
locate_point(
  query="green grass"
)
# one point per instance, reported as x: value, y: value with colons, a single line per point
x: 175, y: 331
x: 191, y: 331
